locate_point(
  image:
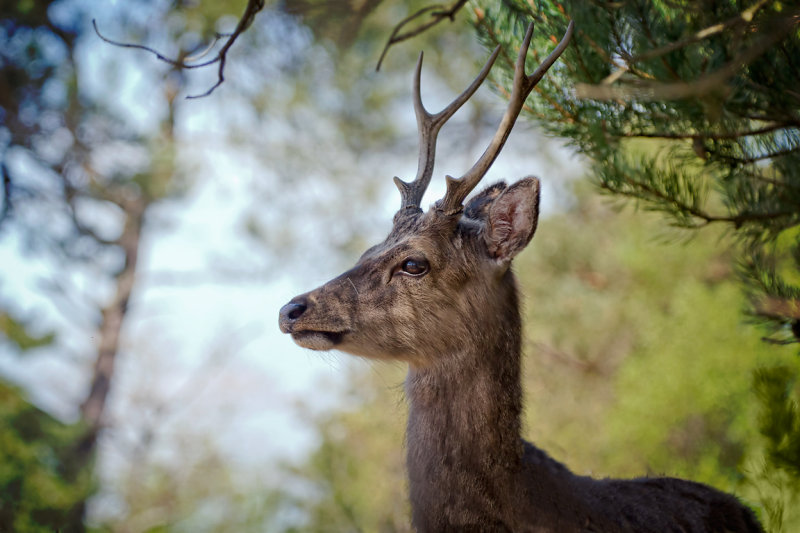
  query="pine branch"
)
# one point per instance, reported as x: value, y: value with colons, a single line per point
x: 509, y: 61
x: 767, y: 180
x: 792, y: 121
x: 649, y: 34
x: 714, y: 136
x: 745, y: 17
x: 754, y: 159
x: 647, y: 192
x: 703, y: 85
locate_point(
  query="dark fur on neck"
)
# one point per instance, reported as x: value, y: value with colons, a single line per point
x: 469, y: 469
x: 464, y: 450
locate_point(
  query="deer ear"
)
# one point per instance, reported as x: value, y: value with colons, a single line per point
x: 478, y: 207
x: 512, y: 219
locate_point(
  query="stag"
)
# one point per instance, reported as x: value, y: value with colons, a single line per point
x: 439, y: 294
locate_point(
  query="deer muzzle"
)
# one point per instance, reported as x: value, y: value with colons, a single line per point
x: 293, y: 319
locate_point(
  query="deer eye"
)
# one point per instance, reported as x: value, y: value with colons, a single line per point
x: 414, y: 267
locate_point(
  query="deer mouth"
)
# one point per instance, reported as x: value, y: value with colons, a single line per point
x: 318, y: 340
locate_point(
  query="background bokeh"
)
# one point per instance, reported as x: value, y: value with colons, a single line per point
x: 147, y: 241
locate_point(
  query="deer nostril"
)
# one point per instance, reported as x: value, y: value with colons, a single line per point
x: 295, y: 311
x: 289, y: 314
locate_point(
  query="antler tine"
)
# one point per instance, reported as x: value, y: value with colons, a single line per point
x: 458, y: 189
x: 428, y: 126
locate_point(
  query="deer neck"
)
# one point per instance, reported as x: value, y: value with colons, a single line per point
x: 463, y: 438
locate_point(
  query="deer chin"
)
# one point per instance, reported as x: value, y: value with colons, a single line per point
x: 318, y: 340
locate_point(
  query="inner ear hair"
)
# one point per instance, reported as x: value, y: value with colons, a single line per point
x: 512, y: 218
x: 478, y: 207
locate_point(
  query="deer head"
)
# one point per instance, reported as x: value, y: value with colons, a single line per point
x: 417, y: 295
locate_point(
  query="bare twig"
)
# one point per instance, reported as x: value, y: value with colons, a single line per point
x: 174, y: 62
x: 566, y: 358
x: 437, y: 13
x: 253, y: 7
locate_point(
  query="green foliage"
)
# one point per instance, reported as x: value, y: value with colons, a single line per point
x: 17, y: 333
x: 204, y: 17
x: 780, y: 422
x: 714, y: 83
x: 52, y: 127
x: 357, y: 474
x: 43, y: 482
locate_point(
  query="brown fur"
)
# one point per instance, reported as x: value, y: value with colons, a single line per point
x: 458, y: 327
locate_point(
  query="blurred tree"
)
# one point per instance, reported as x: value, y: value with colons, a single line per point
x: 19, y: 335
x: 78, y: 184
x: 41, y: 482
x: 355, y: 479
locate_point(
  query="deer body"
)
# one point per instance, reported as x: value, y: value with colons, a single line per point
x: 469, y: 469
x: 439, y: 294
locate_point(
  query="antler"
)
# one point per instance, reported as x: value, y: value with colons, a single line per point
x: 428, y: 126
x: 458, y: 189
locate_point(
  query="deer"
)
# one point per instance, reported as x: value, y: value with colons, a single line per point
x: 439, y: 294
